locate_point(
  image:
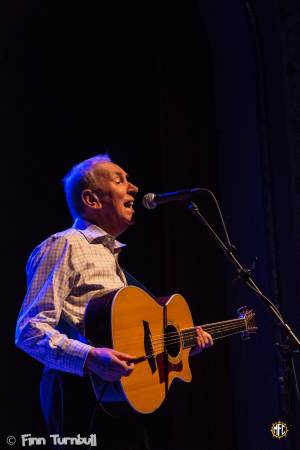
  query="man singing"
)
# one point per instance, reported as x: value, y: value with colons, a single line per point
x: 64, y: 273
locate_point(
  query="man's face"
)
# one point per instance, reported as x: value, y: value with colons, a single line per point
x: 116, y: 196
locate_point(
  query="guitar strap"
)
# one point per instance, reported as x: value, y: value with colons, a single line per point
x: 131, y: 281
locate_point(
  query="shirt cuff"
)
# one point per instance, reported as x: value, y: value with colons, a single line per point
x: 76, y: 358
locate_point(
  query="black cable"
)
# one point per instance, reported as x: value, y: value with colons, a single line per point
x: 229, y: 244
x: 98, y: 404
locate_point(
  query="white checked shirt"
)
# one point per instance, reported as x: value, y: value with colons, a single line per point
x: 64, y: 272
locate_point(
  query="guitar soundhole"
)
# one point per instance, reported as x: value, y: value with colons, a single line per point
x: 172, y: 340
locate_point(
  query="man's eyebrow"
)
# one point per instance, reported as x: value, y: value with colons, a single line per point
x: 121, y: 174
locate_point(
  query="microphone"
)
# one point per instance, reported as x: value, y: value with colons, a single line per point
x: 151, y: 201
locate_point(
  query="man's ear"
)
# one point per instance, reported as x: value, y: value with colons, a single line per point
x: 90, y: 199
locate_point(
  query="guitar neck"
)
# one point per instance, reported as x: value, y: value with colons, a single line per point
x: 217, y: 330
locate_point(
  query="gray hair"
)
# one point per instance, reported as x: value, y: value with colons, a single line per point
x: 81, y: 177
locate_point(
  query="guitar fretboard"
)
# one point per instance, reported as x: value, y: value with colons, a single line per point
x: 217, y: 330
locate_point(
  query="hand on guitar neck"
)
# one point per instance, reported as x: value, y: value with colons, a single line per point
x: 109, y: 364
x: 204, y: 340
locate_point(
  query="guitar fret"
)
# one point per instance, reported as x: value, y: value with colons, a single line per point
x: 217, y: 330
x: 188, y: 337
x: 223, y: 333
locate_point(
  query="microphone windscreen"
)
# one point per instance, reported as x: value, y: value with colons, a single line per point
x: 148, y: 201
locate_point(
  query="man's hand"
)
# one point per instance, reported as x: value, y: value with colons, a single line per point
x: 204, y: 340
x: 109, y: 364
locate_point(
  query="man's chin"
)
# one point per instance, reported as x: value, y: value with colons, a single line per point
x: 129, y: 219
x: 127, y: 223
x: 132, y: 221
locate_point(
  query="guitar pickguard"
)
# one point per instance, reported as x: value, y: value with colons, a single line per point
x: 160, y: 359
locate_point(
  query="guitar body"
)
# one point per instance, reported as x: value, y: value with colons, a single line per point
x: 159, y: 334
x: 131, y: 321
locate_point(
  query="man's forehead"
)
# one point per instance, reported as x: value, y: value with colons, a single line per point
x: 108, y: 168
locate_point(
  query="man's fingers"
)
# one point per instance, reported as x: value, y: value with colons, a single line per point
x: 125, y: 366
x: 128, y: 370
x: 109, y: 364
x: 123, y: 356
x: 204, y: 339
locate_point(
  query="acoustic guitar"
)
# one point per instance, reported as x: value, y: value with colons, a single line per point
x: 160, y: 333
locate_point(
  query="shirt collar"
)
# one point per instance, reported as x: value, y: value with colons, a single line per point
x: 94, y: 234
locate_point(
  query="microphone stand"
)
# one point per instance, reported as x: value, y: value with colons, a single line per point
x: 292, y: 346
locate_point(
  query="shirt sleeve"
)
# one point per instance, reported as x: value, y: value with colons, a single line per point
x: 50, y: 274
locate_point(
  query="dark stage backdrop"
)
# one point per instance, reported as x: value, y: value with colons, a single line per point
x: 142, y: 82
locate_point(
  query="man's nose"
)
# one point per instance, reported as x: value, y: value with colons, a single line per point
x: 132, y: 188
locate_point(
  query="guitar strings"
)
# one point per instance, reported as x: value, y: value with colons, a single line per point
x: 169, y: 338
x: 187, y: 336
x: 193, y: 333
x: 159, y: 345
x: 190, y: 331
x: 206, y: 327
x: 175, y: 336
x: 159, y: 351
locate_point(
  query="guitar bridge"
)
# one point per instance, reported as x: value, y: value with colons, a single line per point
x: 148, y: 347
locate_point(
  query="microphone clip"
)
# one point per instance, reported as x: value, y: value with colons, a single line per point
x: 245, y: 274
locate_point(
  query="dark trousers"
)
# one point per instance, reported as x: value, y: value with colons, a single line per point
x: 68, y: 405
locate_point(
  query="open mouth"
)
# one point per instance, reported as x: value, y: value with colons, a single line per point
x: 129, y: 204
